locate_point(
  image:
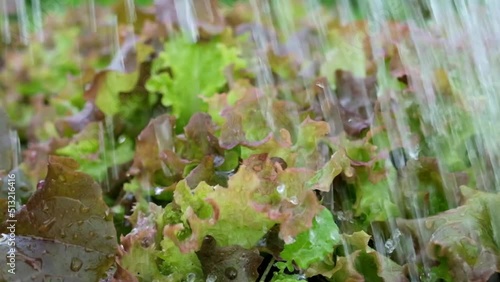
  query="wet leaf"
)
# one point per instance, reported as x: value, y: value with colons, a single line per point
x: 323, y: 178
x: 138, y: 251
x: 357, y: 98
x: 230, y: 263
x: 363, y: 263
x: 39, y: 258
x: 118, y: 78
x: 65, y: 218
x: 467, y: 237
x: 77, y: 122
x: 314, y: 244
x: 95, y: 155
x: 159, y: 132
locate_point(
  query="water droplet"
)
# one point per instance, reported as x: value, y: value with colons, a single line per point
x: 191, y: 277
x: 47, y: 225
x: 289, y: 240
x: 75, y: 236
x: 45, y: 207
x: 429, y: 224
x: 349, y: 172
x: 218, y: 161
x: 312, y: 235
x: 390, y: 246
x: 294, y: 200
x: 158, y: 190
x: 281, y: 188
x: 211, y: 278
x: 414, y: 153
x: 108, y: 216
x: 231, y: 273
x: 80, y: 222
x: 76, y: 264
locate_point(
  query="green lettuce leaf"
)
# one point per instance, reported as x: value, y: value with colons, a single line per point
x: 314, y: 244
x: 362, y: 263
x: 108, y: 84
x: 87, y: 149
x: 215, y: 210
x: 183, y: 72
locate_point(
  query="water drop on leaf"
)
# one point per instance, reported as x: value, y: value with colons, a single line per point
x: 429, y: 224
x: 108, y: 216
x: 289, y: 240
x: 45, y: 207
x: 191, y: 277
x: 211, y: 278
x: 76, y: 264
x: 47, y: 225
x: 231, y: 273
x: 281, y: 188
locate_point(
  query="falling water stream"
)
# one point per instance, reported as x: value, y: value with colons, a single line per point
x: 459, y: 38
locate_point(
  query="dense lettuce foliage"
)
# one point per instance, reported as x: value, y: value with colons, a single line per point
x: 237, y: 156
